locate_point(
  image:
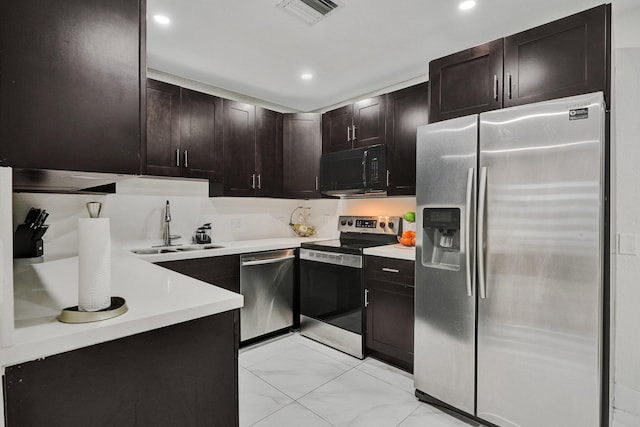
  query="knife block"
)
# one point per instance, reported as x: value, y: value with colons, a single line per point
x: 24, y: 244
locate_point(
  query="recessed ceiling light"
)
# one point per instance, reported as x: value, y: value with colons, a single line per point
x: 306, y: 76
x: 160, y: 19
x: 468, y: 4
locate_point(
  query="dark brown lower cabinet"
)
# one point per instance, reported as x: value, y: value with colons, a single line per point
x: 222, y: 271
x: 179, y: 375
x: 389, y: 299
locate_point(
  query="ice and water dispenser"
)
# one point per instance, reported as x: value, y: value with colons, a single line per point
x: 441, y: 238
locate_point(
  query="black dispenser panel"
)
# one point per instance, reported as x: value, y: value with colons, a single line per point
x: 441, y: 218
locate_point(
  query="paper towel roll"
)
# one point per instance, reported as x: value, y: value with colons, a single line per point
x: 94, y: 264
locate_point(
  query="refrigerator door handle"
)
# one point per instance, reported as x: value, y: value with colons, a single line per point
x: 467, y: 231
x: 480, y: 230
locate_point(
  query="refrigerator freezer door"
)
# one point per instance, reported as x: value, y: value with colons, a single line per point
x: 445, y: 301
x: 539, y: 327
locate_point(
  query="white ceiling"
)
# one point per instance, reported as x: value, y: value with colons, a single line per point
x: 256, y: 49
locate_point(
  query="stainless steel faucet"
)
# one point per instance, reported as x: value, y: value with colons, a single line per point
x: 167, y: 229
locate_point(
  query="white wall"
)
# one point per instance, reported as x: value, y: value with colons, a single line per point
x: 136, y: 212
x: 626, y: 216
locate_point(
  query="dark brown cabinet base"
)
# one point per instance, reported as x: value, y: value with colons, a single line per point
x: 180, y: 375
x: 389, y: 299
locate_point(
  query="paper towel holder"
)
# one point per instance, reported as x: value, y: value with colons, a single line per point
x: 74, y: 315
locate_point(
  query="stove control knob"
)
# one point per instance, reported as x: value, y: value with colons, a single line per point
x: 350, y: 223
x: 383, y: 225
x: 343, y: 222
x: 391, y: 225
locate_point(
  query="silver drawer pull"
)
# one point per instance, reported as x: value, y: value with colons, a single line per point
x: 390, y: 270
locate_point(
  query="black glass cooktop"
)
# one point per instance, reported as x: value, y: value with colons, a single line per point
x: 349, y: 244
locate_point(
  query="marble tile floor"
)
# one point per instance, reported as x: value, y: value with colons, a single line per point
x: 292, y: 381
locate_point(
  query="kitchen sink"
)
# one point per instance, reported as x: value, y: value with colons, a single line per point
x: 173, y: 249
x: 152, y: 251
x: 198, y: 247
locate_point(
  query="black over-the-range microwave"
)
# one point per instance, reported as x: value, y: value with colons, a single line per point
x: 356, y: 172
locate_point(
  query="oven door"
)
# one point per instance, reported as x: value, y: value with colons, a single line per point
x: 331, y: 299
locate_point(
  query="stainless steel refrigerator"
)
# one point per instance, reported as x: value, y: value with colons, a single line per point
x: 510, y: 263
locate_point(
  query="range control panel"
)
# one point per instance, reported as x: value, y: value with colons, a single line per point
x: 369, y: 224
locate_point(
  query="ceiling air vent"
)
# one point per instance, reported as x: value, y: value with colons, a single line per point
x: 310, y: 11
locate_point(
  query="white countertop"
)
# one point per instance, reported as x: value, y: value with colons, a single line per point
x: 393, y: 251
x: 156, y: 297
x: 231, y: 248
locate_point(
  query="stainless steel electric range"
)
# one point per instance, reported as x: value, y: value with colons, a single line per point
x: 331, y: 281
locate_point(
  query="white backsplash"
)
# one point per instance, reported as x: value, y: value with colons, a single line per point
x: 136, y: 212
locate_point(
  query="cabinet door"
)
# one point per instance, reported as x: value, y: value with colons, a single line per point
x: 222, y: 271
x: 239, y: 148
x: 369, y: 121
x: 466, y: 82
x: 337, y: 129
x: 162, y: 155
x: 563, y: 58
x: 70, y: 84
x: 389, y: 287
x: 406, y: 110
x: 201, y: 135
x: 268, y: 153
x: 179, y: 375
x: 301, y: 155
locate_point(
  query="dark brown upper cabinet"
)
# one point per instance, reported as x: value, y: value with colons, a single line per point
x: 201, y: 135
x: 406, y: 110
x: 570, y: 56
x: 71, y: 78
x: 466, y: 82
x: 268, y: 160
x: 563, y: 58
x: 184, y: 133
x: 355, y: 125
x: 252, y: 140
x: 162, y: 155
x: 302, y: 148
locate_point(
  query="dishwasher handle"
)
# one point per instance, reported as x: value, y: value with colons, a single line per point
x: 266, y: 261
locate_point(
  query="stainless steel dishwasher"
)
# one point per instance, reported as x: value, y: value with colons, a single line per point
x: 266, y: 282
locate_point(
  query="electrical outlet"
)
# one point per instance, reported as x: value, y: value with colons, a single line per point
x: 627, y: 244
x: 236, y: 224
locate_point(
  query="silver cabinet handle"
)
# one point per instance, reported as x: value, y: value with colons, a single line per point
x: 366, y: 297
x: 178, y: 157
x: 266, y: 261
x: 253, y: 181
x: 348, y: 133
x: 509, y: 90
x: 364, y: 167
x: 467, y: 231
x: 388, y: 178
x: 480, y: 230
x: 259, y: 181
x: 186, y: 159
x: 495, y: 87
x: 317, y: 179
x: 353, y: 133
x: 390, y: 270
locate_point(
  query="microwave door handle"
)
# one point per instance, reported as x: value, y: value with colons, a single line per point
x: 364, y: 167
